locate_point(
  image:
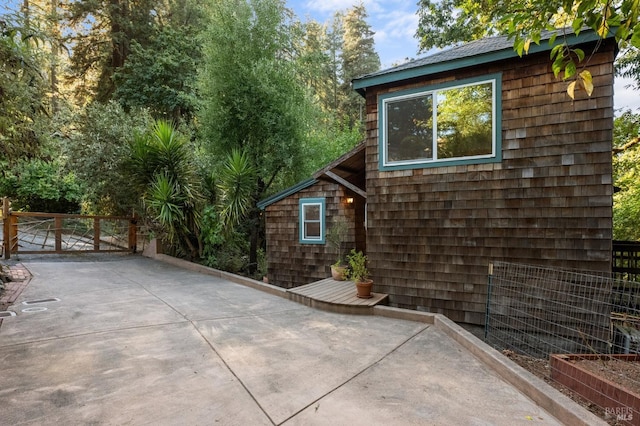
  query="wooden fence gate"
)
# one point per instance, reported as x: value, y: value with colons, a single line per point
x: 55, y: 233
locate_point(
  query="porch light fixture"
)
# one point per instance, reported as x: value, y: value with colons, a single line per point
x: 349, y: 200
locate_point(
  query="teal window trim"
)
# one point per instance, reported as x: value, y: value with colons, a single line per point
x: 303, y: 202
x: 494, y: 157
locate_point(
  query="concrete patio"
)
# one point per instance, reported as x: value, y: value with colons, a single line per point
x: 139, y: 341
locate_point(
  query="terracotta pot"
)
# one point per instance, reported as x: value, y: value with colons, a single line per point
x: 364, y: 289
x: 337, y: 272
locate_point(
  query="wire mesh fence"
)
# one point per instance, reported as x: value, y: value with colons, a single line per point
x: 586, y: 324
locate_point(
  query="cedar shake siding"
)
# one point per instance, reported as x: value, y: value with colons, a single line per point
x: 292, y: 263
x: 432, y: 231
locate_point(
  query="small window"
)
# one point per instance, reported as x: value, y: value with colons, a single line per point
x: 312, y: 221
x: 453, y: 124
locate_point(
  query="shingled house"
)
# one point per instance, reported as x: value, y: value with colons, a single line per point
x: 471, y: 155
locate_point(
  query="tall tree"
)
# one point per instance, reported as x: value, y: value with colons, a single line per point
x: 358, y: 56
x: 102, y: 31
x: 446, y: 22
x: 628, y: 65
x: 313, y: 61
x: 252, y: 99
x: 24, y: 105
x: 319, y: 67
x: 626, y: 175
x: 161, y: 75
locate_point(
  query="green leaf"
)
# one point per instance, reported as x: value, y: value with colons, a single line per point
x: 519, y: 46
x: 577, y: 25
x: 557, y: 65
x: 622, y: 34
x: 569, y: 70
x: 635, y: 38
x: 579, y: 53
x: 535, y: 37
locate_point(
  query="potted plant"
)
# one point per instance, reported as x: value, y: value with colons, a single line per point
x: 359, y: 273
x: 336, y: 236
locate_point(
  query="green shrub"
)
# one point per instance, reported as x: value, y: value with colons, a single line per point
x: 41, y: 186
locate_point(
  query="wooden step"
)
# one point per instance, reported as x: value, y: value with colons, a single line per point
x: 335, y: 296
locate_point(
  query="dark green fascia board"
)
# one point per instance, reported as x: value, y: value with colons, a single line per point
x: 360, y: 84
x: 285, y: 193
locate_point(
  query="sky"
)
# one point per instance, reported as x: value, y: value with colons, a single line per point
x: 394, y: 23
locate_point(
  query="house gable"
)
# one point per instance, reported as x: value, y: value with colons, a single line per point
x: 297, y: 255
x: 433, y: 229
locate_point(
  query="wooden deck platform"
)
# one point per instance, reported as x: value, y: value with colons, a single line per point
x: 335, y: 296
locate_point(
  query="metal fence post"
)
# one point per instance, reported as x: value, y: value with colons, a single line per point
x: 486, y: 318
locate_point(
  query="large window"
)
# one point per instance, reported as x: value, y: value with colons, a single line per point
x: 312, y: 223
x: 453, y: 124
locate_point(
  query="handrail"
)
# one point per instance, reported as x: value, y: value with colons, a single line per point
x: 69, y: 215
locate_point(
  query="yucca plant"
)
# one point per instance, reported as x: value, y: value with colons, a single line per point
x: 170, y: 190
x: 166, y: 202
x: 236, y: 185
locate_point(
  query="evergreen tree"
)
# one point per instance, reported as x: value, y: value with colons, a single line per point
x: 102, y: 32
x: 358, y: 58
x: 24, y: 104
x: 626, y: 175
x: 161, y: 76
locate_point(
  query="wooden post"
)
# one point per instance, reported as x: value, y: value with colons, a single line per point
x: 6, y: 232
x: 58, y: 233
x: 96, y: 234
x: 13, y: 233
x: 133, y: 234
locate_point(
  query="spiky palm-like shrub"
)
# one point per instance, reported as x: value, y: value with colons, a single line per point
x: 166, y: 178
x: 236, y: 185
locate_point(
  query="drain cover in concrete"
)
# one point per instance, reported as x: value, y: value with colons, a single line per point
x: 5, y: 314
x: 35, y: 309
x: 35, y: 302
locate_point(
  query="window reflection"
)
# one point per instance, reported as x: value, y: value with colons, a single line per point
x: 465, y: 121
x: 448, y: 123
x: 410, y: 129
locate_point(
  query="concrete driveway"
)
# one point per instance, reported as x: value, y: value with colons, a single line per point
x: 137, y: 341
